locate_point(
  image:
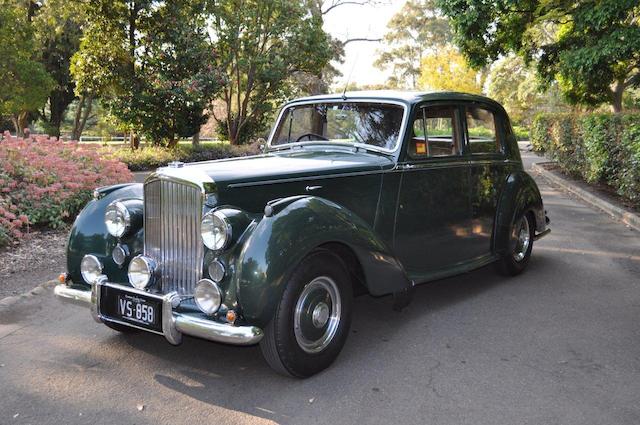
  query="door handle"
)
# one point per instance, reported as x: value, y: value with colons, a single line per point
x: 312, y: 188
x: 407, y: 166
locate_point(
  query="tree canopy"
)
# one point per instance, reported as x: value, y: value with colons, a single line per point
x: 417, y: 29
x: 151, y: 63
x: 24, y: 81
x: 447, y: 69
x: 262, y: 44
x: 591, y: 47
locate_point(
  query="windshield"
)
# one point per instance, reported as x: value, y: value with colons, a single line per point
x: 374, y: 124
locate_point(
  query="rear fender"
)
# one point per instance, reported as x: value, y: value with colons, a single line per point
x: 519, y: 195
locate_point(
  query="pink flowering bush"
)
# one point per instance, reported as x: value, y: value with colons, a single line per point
x: 45, y: 182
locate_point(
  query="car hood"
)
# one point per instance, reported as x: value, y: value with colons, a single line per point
x: 289, y: 164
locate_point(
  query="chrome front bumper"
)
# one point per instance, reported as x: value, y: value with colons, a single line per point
x: 174, y: 324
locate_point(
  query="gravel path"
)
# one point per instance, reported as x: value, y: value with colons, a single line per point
x: 35, y: 260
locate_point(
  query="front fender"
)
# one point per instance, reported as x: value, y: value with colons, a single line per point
x: 89, y: 234
x: 278, y: 243
x: 520, y: 194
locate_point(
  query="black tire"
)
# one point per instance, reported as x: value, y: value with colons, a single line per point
x: 281, y: 344
x: 121, y: 328
x: 515, y: 260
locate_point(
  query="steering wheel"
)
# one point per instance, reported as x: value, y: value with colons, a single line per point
x: 311, y: 136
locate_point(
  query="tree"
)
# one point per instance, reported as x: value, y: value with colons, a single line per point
x: 57, y: 26
x: 447, y: 69
x: 515, y: 85
x: 417, y: 29
x: 263, y: 44
x: 591, y: 47
x: 152, y: 65
x: 24, y: 82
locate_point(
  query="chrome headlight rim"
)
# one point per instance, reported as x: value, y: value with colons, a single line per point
x: 151, y: 268
x: 216, y: 271
x: 214, y: 292
x: 227, y: 230
x: 122, y: 209
x: 90, y: 276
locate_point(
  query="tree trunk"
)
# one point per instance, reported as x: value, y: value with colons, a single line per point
x: 616, y: 96
x: 134, y: 140
x: 173, y: 142
x: 195, y: 139
x: 20, y: 123
x: 82, y: 115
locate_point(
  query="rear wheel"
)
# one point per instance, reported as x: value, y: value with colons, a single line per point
x: 312, y: 320
x: 515, y: 260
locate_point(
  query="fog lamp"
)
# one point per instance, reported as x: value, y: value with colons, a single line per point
x: 90, y: 268
x: 141, y: 272
x: 207, y: 296
x: 216, y: 271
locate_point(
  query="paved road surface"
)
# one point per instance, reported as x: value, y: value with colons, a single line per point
x: 557, y: 345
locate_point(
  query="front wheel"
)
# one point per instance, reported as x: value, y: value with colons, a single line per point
x: 515, y: 260
x: 312, y: 320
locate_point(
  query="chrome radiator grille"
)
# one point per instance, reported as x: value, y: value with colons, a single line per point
x: 172, y: 217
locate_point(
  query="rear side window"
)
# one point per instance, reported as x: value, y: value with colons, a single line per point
x: 434, y: 133
x: 482, y: 131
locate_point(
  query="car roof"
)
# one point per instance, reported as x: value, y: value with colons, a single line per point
x: 409, y: 97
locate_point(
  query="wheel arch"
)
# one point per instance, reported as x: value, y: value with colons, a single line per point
x: 281, y: 240
x: 520, y: 195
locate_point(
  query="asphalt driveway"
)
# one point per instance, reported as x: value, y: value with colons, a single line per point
x: 559, y: 344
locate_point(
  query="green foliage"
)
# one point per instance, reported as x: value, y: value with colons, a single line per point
x: 263, y: 44
x: 148, y: 158
x: 152, y: 64
x: 602, y: 148
x: 417, y: 29
x: 24, y: 82
x: 590, y: 47
x: 253, y: 128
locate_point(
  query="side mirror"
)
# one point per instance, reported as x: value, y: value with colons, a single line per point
x: 262, y: 144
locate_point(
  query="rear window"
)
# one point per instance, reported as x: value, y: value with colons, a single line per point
x: 482, y: 131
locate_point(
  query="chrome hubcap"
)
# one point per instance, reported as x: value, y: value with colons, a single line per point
x: 317, y: 315
x: 521, y: 238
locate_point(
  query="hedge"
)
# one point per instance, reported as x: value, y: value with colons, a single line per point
x: 599, y: 148
x: 149, y: 158
x: 45, y: 182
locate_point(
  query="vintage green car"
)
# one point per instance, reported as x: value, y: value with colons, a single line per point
x: 364, y: 192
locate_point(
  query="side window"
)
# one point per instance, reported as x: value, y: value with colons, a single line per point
x: 482, y: 131
x: 434, y: 133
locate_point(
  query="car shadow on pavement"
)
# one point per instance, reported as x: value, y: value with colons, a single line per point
x: 237, y: 378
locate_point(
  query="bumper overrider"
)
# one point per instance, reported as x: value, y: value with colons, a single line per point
x: 174, y: 324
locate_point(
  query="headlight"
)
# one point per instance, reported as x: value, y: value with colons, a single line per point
x: 90, y: 268
x: 141, y: 272
x: 216, y: 230
x: 207, y: 296
x: 117, y: 218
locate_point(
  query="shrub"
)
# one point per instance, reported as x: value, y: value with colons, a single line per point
x: 603, y: 148
x: 148, y: 158
x: 45, y: 182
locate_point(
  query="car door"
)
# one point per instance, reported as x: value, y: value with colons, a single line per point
x: 489, y: 168
x: 432, y: 218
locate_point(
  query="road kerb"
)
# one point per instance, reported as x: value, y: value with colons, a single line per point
x: 630, y: 219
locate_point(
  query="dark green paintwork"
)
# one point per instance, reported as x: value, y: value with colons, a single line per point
x: 441, y: 217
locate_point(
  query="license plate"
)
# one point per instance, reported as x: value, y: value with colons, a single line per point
x: 136, y: 309
x: 139, y: 310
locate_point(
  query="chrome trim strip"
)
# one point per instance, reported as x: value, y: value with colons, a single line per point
x: 405, y: 118
x: 174, y: 324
